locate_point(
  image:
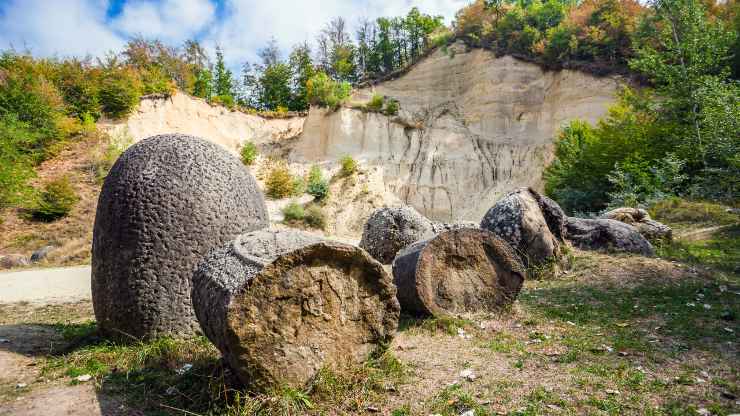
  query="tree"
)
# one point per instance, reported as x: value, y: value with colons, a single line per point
x: 302, y: 70
x: 223, y: 82
x: 681, y: 51
x: 203, y: 86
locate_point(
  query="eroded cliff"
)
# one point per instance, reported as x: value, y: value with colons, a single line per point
x: 181, y: 113
x: 471, y: 127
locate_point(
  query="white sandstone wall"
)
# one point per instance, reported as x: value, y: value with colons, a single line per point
x: 471, y: 127
x: 182, y: 113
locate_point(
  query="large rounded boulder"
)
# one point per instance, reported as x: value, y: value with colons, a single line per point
x: 531, y: 223
x: 166, y: 202
x: 281, y: 304
x: 389, y: 230
x: 606, y: 235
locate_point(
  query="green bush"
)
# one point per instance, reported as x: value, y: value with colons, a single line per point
x: 249, y: 153
x: 391, y: 108
x: 281, y: 183
x: 293, y: 212
x: 376, y: 103
x: 120, y: 92
x: 325, y: 92
x: 349, y: 165
x: 16, y: 161
x: 315, y: 217
x: 56, y: 200
x: 318, y: 187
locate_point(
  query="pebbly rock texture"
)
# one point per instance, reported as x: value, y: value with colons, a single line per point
x: 282, y: 304
x: 605, y: 234
x: 389, y: 230
x: 166, y: 201
x: 640, y: 219
x: 440, y: 227
x: 518, y: 219
x: 464, y: 270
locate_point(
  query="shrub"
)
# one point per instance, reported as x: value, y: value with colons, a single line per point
x: 120, y: 92
x: 315, y: 217
x: 56, y: 200
x: 249, y: 153
x: 391, y: 108
x: 325, y: 92
x: 103, y: 160
x: 16, y: 163
x: 293, y: 212
x: 375, y: 103
x: 280, y: 182
x: 318, y: 187
x: 349, y: 165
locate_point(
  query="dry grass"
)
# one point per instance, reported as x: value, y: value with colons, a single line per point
x: 614, y: 335
x: 72, y: 235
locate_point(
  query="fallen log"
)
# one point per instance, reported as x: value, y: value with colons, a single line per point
x: 282, y: 304
x: 464, y: 270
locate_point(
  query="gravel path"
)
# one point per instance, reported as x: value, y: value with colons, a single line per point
x: 68, y: 284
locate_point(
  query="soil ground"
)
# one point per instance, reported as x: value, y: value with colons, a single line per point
x: 616, y: 334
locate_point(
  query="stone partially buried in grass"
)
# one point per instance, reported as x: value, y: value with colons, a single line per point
x: 166, y: 202
x: 282, y: 304
x: 459, y: 271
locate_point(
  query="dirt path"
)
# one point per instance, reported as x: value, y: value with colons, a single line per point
x: 702, y: 233
x: 69, y: 284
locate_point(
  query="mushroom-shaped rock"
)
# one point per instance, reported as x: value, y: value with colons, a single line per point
x: 604, y: 234
x: 389, y: 230
x: 282, y: 304
x: 165, y: 203
x: 640, y: 219
x: 459, y: 271
x: 519, y: 219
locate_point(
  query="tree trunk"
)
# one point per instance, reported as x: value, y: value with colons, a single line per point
x: 459, y: 271
x: 282, y: 304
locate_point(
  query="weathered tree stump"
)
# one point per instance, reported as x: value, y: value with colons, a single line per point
x: 282, y: 304
x: 389, y: 230
x: 464, y: 270
x: 166, y: 202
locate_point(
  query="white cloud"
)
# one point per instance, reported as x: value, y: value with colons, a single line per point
x: 250, y: 24
x: 172, y: 21
x: 65, y: 28
x: 79, y: 27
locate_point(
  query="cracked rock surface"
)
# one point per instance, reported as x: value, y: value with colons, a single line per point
x: 282, y: 304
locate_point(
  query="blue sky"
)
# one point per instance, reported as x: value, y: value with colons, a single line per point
x: 241, y: 27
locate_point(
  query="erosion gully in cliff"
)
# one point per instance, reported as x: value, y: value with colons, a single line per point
x: 471, y: 127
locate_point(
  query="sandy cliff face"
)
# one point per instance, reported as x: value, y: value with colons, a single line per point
x: 471, y: 127
x: 184, y: 114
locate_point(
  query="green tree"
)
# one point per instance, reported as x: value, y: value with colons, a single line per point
x: 302, y: 70
x: 687, y: 55
x: 223, y: 80
x: 203, y: 86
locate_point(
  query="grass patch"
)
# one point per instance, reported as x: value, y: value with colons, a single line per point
x: 721, y: 251
x: 680, y: 213
x: 455, y: 400
x: 447, y: 324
